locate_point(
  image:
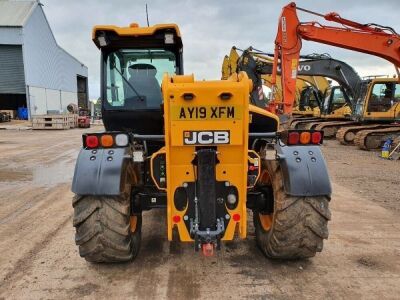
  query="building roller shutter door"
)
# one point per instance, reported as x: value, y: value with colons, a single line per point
x: 12, y: 79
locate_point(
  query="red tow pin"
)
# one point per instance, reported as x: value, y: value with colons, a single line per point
x: 208, y: 249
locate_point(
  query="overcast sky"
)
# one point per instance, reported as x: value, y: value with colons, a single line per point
x: 210, y: 28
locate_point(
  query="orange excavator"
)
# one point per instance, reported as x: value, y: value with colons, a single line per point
x: 371, y: 38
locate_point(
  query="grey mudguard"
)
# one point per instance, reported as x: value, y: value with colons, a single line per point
x: 304, y: 170
x: 98, y: 172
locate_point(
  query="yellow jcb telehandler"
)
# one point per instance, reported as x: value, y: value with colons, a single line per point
x: 197, y: 149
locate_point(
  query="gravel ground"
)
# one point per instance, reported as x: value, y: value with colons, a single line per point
x: 40, y: 260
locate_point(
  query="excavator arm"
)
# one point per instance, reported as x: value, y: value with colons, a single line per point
x: 372, y: 39
x: 334, y: 69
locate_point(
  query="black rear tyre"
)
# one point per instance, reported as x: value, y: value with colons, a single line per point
x: 103, y: 228
x: 298, y: 225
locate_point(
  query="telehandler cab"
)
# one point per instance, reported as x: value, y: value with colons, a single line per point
x: 195, y: 148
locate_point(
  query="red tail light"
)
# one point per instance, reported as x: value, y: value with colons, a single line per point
x: 303, y: 137
x: 92, y: 141
x: 316, y: 137
x: 293, y: 138
x: 105, y: 140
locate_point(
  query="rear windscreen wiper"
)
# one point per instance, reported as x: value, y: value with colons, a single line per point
x: 140, y: 97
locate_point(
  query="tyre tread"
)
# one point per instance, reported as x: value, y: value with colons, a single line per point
x: 300, y: 224
x: 103, y: 229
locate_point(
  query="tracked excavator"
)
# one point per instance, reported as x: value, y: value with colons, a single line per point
x: 196, y: 149
x: 229, y: 66
x: 381, y: 103
x: 377, y: 115
x: 258, y: 66
x: 336, y: 111
x: 336, y: 105
x: 310, y: 98
x: 309, y: 89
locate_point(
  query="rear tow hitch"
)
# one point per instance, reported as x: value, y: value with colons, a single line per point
x: 207, y: 239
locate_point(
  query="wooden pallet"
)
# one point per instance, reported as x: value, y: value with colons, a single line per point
x: 36, y: 126
x: 73, y: 120
x: 55, y: 121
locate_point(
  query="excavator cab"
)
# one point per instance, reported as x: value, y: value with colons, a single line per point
x: 383, y: 100
x: 378, y: 100
x: 310, y: 97
x: 337, y: 103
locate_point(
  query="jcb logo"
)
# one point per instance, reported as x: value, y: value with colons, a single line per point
x: 206, y: 137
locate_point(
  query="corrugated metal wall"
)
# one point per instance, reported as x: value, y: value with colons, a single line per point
x: 41, y: 53
x: 12, y: 79
x: 47, y: 101
x: 48, y: 65
x: 10, y: 36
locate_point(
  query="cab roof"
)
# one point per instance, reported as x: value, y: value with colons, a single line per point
x: 135, y: 30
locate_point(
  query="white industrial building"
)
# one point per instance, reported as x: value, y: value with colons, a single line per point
x: 35, y: 72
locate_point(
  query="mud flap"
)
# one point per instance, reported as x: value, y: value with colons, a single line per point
x: 304, y: 170
x: 98, y: 172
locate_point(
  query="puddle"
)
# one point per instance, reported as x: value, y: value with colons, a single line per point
x: 54, y: 174
x: 40, y: 175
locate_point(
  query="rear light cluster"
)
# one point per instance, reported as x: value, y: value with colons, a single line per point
x: 105, y: 140
x: 304, y: 137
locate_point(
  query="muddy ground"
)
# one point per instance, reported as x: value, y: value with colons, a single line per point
x: 39, y: 259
